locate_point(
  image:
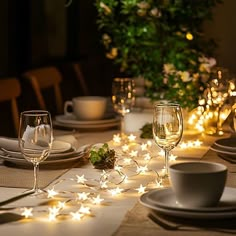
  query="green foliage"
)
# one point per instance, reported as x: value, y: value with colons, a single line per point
x: 103, y: 157
x: 148, y: 37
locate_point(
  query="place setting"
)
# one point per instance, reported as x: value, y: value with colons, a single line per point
x: 87, y: 113
x: 226, y: 148
x: 197, y: 192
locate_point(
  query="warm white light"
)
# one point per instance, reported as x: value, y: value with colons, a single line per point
x: 82, y: 196
x: 116, y: 138
x: 84, y: 210
x: 97, y: 200
x: 131, y: 137
x: 80, y: 179
x: 115, y: 191
x: 147, y: 156
x: 142, y: 169
x: 133, y: 153
x: 144, y: 146
x: 141, y: 189
x: 51, y: 193
x: 27, y: 212
x: 125, y: 147
x: 76, y: 215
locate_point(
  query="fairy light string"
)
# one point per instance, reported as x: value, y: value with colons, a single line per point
x: 133, y: 166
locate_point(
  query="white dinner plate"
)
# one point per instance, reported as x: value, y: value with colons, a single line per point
x: 77, y: 154
x: 71, y: 122
x: 71, y: 119
x: 227, y: 143
x: 58, y: 148
x: 165, y: 203
x: 221, y: 150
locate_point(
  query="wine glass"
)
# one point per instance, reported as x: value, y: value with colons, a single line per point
x: 167, y: 128
x: 35, y: 139
x: 123, y: 97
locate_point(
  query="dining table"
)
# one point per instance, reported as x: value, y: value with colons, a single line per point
x: 79, y: 199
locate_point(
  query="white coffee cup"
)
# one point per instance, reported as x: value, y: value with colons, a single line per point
x: 87, y: 107
x: 198, y: 184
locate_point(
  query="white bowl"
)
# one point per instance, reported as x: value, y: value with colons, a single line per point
x: 198, y: 184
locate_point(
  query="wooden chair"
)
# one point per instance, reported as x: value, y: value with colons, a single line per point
x: 80, y: 77
x: 10, y: 90
x: 45, y: 78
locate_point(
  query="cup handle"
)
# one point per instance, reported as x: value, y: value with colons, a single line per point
x: 68, y: 104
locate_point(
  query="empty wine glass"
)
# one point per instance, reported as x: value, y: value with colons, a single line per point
x: 123, y: 97
x: 35, y: 139
x: 167, y: 128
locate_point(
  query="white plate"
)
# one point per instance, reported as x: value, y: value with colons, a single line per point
x: 58, y: 148
x: 75, y: 124
x: 227, y: 143
x: 167, y: 205
x: 71, y: 119
x: 60, y: 159
x: 221, y: 150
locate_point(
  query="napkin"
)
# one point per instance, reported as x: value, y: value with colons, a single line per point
x: 134, y: 121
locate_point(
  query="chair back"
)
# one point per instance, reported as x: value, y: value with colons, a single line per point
x: 10, y: 90
x: 44, y: 78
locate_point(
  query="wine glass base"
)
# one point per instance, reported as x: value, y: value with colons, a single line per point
x: 36, y: 193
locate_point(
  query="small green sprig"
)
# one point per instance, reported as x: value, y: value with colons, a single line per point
x: 103, y: 157
x: 146, y: 131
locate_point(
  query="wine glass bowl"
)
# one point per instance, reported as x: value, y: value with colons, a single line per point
x: 167, y: 128
x: 35, y: 139
x: 123, y: 97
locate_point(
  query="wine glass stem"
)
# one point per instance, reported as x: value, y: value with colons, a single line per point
x: 36, y: 171
x: 166, y: 162
x: 122, y: 124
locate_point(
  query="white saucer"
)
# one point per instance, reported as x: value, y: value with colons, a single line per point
x: 52, y: 159
x: 164, y: 201
x: 70, y: 121
x: 221, y: 150
x: 59, y: 148
x: 227, y: 143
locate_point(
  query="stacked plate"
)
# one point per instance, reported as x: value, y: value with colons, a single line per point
x: 226, y: 148
x: 164, y: 201
x: 70, y: 121
x: 62, y: 152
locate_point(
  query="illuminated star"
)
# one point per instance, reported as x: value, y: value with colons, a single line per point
x: 27, y: 212
x: 82, y: 196
x: 84, y: 210
x: 125, y: 147
x: 97, y: 199
x: 51, y: 193
x: 144, y: 146
x: 76, y: 215
x: 80, y: 179
x: 131, y: 137
x: 141, y: 189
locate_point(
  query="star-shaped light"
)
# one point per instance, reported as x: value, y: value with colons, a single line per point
x: 142, y: 169
x: 51, y: 193
x: 76, y: 215
x: 147, y: 156
x: 115, y: 191
x: 27, y: 212
x: 84, y: 210
x: 133, y: 153
x: 97, y: 200
x: 131, y: 137
x: 82, y: 196
x: 117, y: 138
x: 144, y: 146
x: 141, y: 189
x: 125, y: 147
x: 80, y: 179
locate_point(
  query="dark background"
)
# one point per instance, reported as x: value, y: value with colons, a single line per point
x: 37, y: 33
